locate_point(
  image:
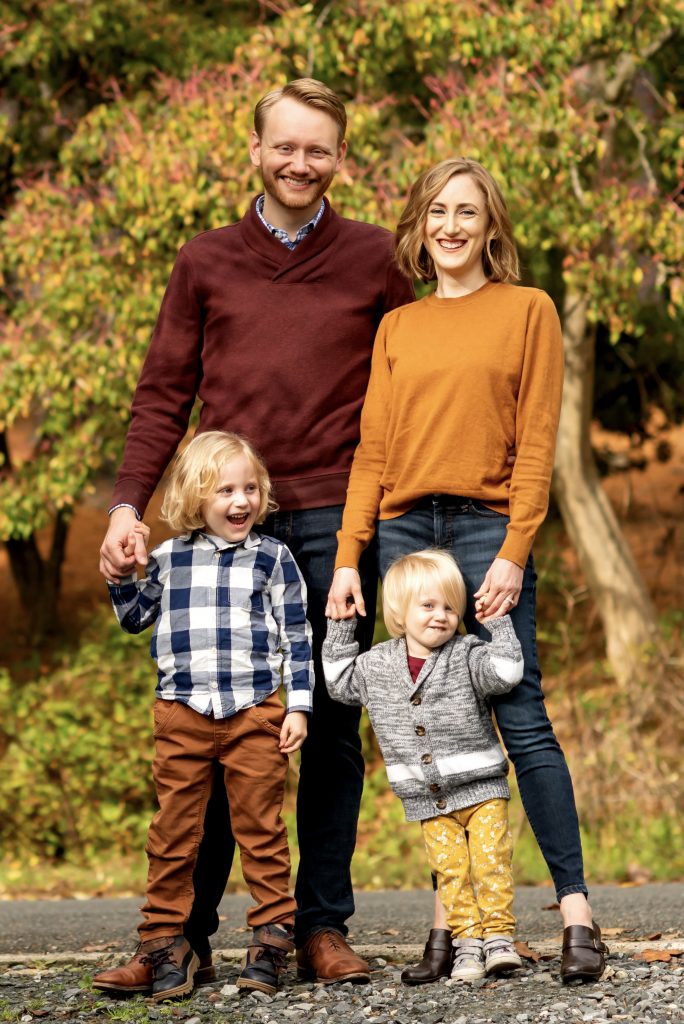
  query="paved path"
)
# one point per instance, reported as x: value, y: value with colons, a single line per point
x: 382, y: 919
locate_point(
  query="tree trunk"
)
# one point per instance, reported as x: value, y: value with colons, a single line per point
x: 38, y: 579
x: 628, y: 615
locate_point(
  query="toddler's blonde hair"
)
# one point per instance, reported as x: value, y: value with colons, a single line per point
x: 196, y: 472
x: 413, y: 573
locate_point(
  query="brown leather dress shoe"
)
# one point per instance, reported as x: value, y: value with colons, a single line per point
x: 438, y: 959
x: 584, y: 953
x: 136, y: 975
x: 328, y: 958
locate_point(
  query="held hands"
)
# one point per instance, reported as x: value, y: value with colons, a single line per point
x: 346, y: 585
x: 498, y: 595
x: 293, y: 732
x: 125, y: 544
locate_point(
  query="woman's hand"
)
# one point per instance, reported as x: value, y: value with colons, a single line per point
x: 346, y: 584
x: 500, y: 590
x: 293, y: 732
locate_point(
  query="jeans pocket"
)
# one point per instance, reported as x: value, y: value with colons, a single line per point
x: 483, y: 511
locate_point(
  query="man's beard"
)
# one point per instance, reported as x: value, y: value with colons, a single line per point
x: 279, y: 191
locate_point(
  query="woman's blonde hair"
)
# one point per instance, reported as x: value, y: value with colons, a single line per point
x: 411, y: 574
x: 499, y: 256
x: 196, y: 471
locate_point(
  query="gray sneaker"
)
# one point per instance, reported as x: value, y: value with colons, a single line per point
x: 500, y: 954
x: 469, y: 962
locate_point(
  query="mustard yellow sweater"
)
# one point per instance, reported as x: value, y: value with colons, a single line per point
x: 455, y: 386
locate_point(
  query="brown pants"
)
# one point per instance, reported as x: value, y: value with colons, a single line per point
x: 187, y: 745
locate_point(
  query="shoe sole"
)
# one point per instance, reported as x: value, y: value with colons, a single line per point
x: 355, y: 977
x: 424, y: 981
x: 258, y: 986
x: 503, y: 967
x: 180, y: 990
x: 133, y: 989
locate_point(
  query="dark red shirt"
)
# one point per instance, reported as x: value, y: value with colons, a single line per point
x: 415, y: 665
x: 276, y: 343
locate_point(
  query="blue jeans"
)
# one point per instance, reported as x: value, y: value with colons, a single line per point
x: 332, y: 768
x: 474, y: 534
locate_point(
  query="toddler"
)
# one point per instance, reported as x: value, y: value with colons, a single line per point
x: 229, y: 612
x: 426, y: 692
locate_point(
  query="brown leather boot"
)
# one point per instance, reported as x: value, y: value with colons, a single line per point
x: 584, y: 954
x: 136, y: 975
x: 438, y: 959
x: 328, y: 958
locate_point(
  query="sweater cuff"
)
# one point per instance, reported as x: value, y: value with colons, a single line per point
x: 349, y: 551
x: 516, y: 548
x: 341, y: 632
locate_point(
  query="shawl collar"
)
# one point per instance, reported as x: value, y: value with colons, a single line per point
x: 282, y: 259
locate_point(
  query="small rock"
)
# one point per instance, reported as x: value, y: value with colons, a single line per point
x: 232, y: 991
x: 194, y: 1020
x: 261, y: 997
x: 378, y: 961
x: 214, y: 997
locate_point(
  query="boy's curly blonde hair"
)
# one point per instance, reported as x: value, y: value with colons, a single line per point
x: 196, y: 471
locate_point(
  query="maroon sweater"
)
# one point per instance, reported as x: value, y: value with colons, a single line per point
x: 277, y: 345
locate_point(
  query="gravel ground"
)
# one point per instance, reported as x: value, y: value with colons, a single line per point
x: 630, y: 990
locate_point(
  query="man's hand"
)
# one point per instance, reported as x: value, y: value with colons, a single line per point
x: 293, y: 732
x: 500, y: 590
x: 346, y: 584
x: 125, y: 544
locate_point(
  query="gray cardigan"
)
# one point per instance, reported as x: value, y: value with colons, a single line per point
x: 440, y: 748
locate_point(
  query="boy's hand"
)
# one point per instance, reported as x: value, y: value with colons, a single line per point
x: 293, y: 732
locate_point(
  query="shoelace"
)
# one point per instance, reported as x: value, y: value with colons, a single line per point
x: 158, y: 957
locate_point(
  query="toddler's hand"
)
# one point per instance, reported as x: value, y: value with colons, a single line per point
x: 293, y: 732
x: 136, y: 543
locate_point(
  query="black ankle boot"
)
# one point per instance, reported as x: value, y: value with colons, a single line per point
x: 174, y: 964
x: 437, y: 961
x: 265, y: 959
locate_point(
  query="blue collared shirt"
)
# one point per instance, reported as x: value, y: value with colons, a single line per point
x: 283, y: 236
x: 227, y: 619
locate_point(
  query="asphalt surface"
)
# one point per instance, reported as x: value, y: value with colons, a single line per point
x: 635, y: 913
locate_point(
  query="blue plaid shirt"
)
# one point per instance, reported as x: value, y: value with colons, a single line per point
x: 283, y: 236
x: 227, y: 618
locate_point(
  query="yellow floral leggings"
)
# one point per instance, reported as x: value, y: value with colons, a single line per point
x: 470, y: 853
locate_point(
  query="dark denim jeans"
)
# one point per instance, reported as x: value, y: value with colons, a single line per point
x: 331, y: 772
x: 474, y: 534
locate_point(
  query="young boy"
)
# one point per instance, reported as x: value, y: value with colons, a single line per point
x: 426, y: 692
x: 229, y: 613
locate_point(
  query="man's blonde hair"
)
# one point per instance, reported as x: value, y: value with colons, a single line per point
x: 499, y: 256
x: 196, y: 472
x: 308, y: 91
x: 410, y: 575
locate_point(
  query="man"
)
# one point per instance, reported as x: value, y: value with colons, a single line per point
x: 271, y: 323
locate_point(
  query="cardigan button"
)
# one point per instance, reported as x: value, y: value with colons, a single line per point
x: 434, y: 788
x: 420, y: 730
x: 426, y: 758
x: 440, y: 804
x: 417, y: 701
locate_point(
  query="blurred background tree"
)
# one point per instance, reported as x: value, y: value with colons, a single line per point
x: 577, y: 108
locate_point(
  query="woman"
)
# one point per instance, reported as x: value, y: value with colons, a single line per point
x: 460, y: 380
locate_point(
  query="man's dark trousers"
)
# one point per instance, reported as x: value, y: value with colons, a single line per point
x: 331, y: 773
